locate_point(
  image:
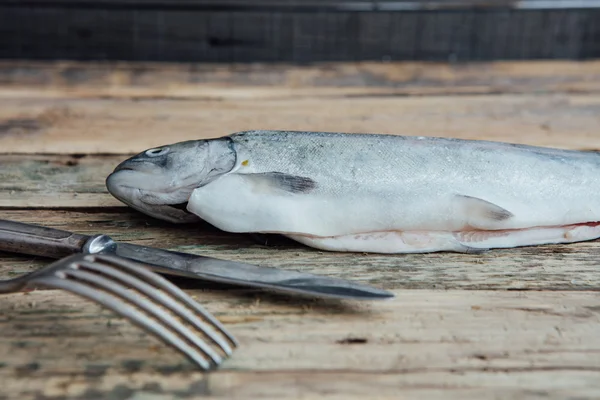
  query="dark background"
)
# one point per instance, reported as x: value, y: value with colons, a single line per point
x: 299, y: 31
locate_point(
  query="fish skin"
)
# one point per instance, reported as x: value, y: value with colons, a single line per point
x: 313, y: 186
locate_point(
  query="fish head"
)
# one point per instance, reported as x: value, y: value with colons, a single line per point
x: 159, y: 181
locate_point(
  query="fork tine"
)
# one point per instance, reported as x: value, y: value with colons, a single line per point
x: 167, y: 286
x: 150, y: 307
x: 140, y: 319
x: 159, y: 296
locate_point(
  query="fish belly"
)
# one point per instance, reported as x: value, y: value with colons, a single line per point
x: 472, y: 241
x: 379, y: 224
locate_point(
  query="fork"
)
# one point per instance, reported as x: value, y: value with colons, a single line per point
x: 140, y: 295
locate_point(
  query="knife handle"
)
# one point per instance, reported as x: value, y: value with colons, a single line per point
x: 18, y: 237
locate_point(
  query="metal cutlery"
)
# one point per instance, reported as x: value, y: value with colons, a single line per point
x: 30, y: 239
x: 138, y: 294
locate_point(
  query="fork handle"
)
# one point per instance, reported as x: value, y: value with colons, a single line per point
x: 18, y: 237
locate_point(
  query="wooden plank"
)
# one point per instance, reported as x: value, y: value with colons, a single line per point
x: 185, y: 80
x: 431, y: 344
x: 558, y: 267
x: 56, y: 181
x: 313, y: 385
x: 35, y: 124
x: 535, y: 336
x: 70, y: 30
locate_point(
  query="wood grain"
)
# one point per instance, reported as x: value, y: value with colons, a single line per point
x: 49, y: 181
x: 515, y: 323
x: 121, y: 109
x: 185, y: 80
x: 555, y: 267
x: 117, y: 126
x: 427, y: 342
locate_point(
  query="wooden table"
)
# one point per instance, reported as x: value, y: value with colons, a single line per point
x: 517, y: 323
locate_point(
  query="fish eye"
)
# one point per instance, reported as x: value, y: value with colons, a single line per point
x: 159, y: 151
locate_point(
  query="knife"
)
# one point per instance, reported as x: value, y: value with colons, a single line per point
x: 18, y: 237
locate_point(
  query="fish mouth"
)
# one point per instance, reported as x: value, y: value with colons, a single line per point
x: 180, y: 206
x: 167, y: 205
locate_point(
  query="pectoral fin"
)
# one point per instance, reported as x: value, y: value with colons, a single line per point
x: 269, y: 181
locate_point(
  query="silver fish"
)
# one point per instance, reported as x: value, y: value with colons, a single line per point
x: 370, y: 192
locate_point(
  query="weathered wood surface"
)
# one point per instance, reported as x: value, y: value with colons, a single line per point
x: 134, y: 80
x: 520, y: 323
x: 52, y: 181
x: 425, y: 344
x: 127, y: 110
x: 124, y: 126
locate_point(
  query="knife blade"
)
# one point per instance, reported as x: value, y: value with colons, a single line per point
x: 18, y: 237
